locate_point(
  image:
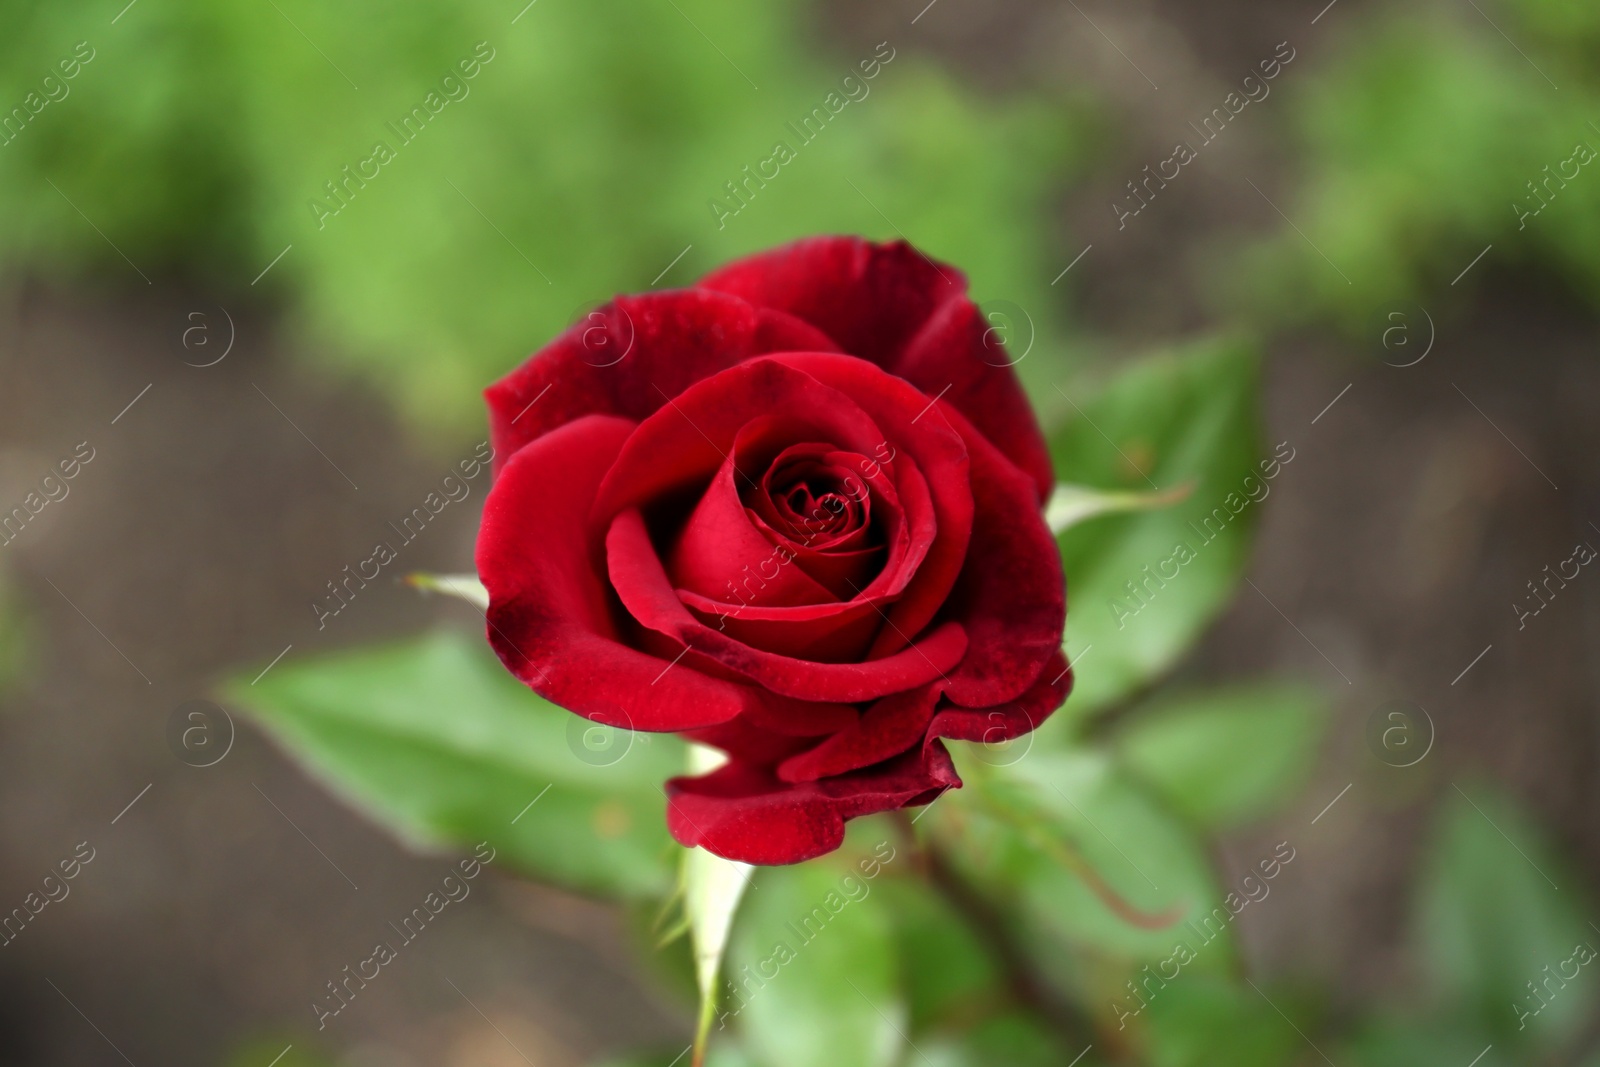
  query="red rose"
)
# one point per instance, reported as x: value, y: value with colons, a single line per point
x: 793, y: 513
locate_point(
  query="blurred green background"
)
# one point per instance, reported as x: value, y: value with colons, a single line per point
x: 1404, y: 212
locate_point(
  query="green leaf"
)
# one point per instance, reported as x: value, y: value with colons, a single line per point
x: 461, y: 586
x: 1406, y: 1043
x: 1493, y: 919
x: 1072, y: 504
x: 1199, y: 1020
x: 712, y: 887
x: 569, y: 166
x: 812, y: 965
x: 1085, y: 856
x: 435, y: 740
x: 948, y: 971
x: 1014, y: 1039
x: 1176, y: 420
x: 1418, y: 138
x: 1226, y: 756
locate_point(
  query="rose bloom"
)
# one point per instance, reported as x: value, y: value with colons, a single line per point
x: 792, y: 513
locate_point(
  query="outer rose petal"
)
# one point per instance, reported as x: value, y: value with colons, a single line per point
x: 627, y: 357
x: 895, y: 724
x: 950, y: 351
x: 551, y: 614
x: 1011, y: 720
x: 748, y: 813
x: 889, y: 727
x: 890, y: 304
x: 742, y: 813
x: 870, y: 298
x: 671, y: 341
x: 1011, y: 594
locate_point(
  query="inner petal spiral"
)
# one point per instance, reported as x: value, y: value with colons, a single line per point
x: 818, y: 502
x: 817, y: 498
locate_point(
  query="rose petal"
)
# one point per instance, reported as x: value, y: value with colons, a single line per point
x: 641, y: 582
x: 950, y: 353
x: 720, y: 552
x: 677, y: 450
x: 552, y: 617
x: 940, y: 453
x: 890, y: 304
x: 686, y: 441
x: 887, y: 728
x: 896, y: 723
x: 870, y: 298
x: 840, y: 634
x: 625, y: 358
x: 779, y: 332
x: 1011, y: 595
x: 1013, y: 719
x: 811, y: 524
x: 826, y: 631
x: 743, y: 813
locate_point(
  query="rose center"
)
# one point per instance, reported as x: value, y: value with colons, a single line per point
x: 817, y: 503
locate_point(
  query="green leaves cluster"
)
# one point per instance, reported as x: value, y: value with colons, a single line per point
x: 435, y: 740
x: 1177, y: 421
x: 1419, y: 139
x: 577, y: 164
x: 1502, y: 927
